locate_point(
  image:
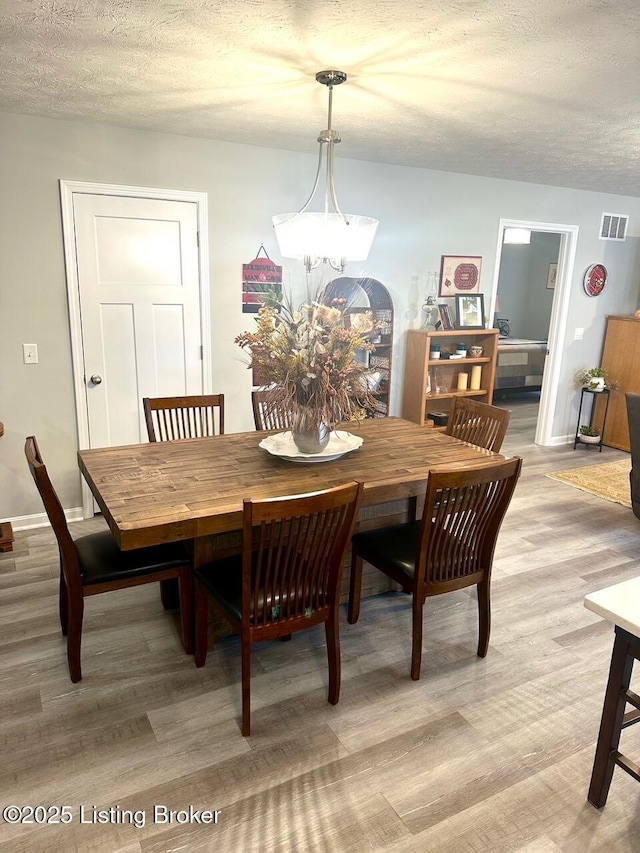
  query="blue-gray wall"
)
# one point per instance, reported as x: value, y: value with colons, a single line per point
x: 522, y: 286
x: 423, y: 215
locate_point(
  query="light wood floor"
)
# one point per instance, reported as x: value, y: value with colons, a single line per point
x: 479, y: 755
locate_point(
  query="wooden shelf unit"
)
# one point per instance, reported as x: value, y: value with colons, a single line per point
x: 417, y: 403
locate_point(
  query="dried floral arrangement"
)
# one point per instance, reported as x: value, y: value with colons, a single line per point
x: 307, y: 359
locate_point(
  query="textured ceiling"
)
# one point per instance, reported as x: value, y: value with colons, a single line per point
x: 533, y: 90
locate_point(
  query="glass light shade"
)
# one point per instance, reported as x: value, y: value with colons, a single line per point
x: 324, y: 235
x: 517, y: 236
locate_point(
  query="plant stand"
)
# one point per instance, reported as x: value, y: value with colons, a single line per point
x: 579, y: 440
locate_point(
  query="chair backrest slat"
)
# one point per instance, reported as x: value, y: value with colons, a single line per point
x: 478, y: 423
x: 267, y: 414
x: 462, y: 515
x: 171, y: 418
x: 293, y: 553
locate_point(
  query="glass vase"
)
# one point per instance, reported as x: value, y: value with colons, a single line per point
x: 310, y: 433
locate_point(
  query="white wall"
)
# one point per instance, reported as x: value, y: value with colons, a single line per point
x: 422, y: 215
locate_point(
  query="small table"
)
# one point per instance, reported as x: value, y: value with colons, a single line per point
x: 620, y: 604
x: 577, y: 440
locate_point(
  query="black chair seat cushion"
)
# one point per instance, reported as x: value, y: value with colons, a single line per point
x: 223, y: 579
x: 101, y: 561
x: 395, y: 549
x: 393, y: 546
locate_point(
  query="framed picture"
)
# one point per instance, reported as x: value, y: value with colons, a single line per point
x: 470, y: 311
x: 551, y: 276
x: 459, y: 274
x: 445, y: 317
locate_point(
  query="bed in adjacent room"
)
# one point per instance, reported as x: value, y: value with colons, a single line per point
x: 520, y: 365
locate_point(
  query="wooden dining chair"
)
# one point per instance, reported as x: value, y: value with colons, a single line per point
x: 267, y: 414
x: 196, y: 416
x: 633, y: 416
x: 287, y: 578
x: 478, y: 423
x: 451, y: 547
x: 93, y: 564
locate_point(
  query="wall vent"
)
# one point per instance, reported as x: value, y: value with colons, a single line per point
x: 614, y: 226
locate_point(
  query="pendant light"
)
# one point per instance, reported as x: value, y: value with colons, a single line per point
x: 327, y: 236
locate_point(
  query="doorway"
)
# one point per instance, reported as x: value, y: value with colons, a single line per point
x: 138, y: 303
x: 568, y: 236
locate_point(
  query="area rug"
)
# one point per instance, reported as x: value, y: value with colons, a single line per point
x: 609, y: 480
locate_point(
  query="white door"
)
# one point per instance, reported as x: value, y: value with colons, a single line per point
x: 559, y: 315
x: 139, y: 297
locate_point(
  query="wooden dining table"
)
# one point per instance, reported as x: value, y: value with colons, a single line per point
x: 193, y: 489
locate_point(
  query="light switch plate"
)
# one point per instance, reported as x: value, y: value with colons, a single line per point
x: 30, y: 353
x: 578, y: 335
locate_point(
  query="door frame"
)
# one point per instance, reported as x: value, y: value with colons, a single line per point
x: 559, y: 316
x: 67, y: 191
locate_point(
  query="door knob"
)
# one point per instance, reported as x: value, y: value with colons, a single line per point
x: 95, y: 379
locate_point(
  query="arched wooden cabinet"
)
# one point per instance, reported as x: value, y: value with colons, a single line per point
x: 368, y: 294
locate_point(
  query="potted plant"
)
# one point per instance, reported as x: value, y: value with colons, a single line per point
x: 589, y: 434
x: 592, y: 378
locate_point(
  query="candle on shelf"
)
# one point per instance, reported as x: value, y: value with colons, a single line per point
x: 463, y: 378
x: 476, y: 377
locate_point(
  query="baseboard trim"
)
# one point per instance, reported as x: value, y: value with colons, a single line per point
x: 560, y: 440
x: 29, y: 522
